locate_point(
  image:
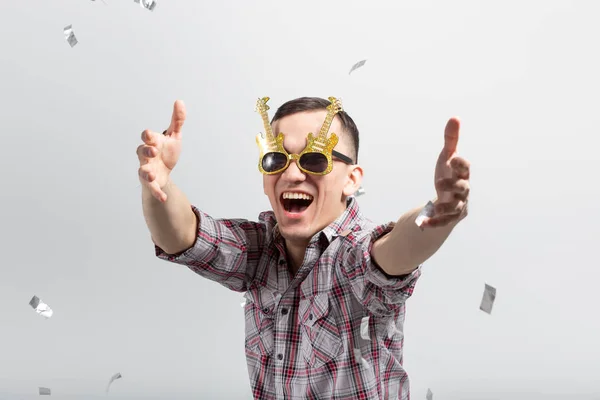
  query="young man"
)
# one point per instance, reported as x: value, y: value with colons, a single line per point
x: 325, y: 287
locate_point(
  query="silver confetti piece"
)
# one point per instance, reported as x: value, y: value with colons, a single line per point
x: 489, y: 296
x: 364, y: 328
x: 360, y: 360
x: 359, y: 192
x: 44, y: 391
x: 357, y: 65
x: 34, y: 302
x: 245, y: 299
x: 70, y: 36
x: 40, y: 307
x: 112, y: 379
x: 429, y: 394
x: 147, y: 4
x: 426, y: 212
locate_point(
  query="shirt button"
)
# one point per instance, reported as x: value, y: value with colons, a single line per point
x: 281, y: 262
x: 280, y: 356
x: 284, y: 311
x: 310, y: 317
x: 266, y: 310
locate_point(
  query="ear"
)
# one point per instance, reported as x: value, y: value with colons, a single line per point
x: 355, y: 175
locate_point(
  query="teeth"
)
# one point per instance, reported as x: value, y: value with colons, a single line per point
x: 292, y: 195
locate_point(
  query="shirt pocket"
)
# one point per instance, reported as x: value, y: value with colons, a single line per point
x: 320, y: 337
x: 259, y: 327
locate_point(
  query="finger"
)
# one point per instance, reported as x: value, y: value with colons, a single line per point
x: 156, y: 191
x: 152, y: 138
x: 453, y: 207
x: 452, y: 185
x: 177, y: 120
x: 148, y: 178
x: 436, y: 222
x: 145, y: 153
x: 146, y: 173
x: 462, y: 196
x: 461, y: 167
x: 451, y: 135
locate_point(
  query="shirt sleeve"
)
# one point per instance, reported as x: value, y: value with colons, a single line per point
x: 226, y: 251
x: 379, y: 292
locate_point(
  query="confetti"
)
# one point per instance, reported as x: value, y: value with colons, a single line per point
x: 364, y: 328
x: 40, y: 307
x: 357, y: 66
x: 359, y: 192
x: 426, y: 212
x: 70, y: 36
x: 44, y: 391
x: 489, y: 296
x: 429, y: 394
x: 112, y: 379
x: 360, y: 360
x: 147, y: 4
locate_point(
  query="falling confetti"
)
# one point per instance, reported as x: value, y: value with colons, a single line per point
x: 360, y: 360
x: 364, y: 328
x: 40, y: 307
x: 70, y: 36
x: 44, y: 391
x: 429, y: 394
x: 359, y: 192
x: 426, y: 212
x: 489, y: 296
x: 357, y: 66
x: 147, y: 4
x: 112, y: 379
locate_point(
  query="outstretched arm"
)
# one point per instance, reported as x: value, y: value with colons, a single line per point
x: 407, y: 246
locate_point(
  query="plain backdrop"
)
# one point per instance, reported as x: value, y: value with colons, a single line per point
x: 522, y: 75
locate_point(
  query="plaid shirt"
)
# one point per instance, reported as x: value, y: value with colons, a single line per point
x: 303, y: 333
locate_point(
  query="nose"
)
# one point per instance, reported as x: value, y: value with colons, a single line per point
x: 293, y: 173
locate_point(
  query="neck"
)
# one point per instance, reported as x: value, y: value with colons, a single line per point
x: 295, y: 254
x: 296, y: 249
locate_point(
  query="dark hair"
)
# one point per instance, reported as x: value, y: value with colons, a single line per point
x: 302, y: 104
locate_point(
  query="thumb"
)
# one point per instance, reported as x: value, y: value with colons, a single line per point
x: 451, y: 134
x: 177, y: 120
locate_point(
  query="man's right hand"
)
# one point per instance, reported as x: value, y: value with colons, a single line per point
x: 159, y: 154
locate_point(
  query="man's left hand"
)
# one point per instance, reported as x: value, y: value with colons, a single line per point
x: 452, y: 174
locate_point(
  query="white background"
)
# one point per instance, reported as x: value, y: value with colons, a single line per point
x: 522, y: 75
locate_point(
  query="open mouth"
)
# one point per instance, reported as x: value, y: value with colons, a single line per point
x: 295, y: 203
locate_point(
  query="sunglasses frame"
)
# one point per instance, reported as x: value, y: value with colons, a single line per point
x: 296, y: 158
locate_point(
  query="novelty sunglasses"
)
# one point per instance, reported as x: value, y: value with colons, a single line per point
x: 317, y: 156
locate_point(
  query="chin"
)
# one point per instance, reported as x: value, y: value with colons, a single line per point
x: 296, y: 233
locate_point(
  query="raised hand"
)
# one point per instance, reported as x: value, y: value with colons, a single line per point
x: 452, y: 174
x: 160, y: 152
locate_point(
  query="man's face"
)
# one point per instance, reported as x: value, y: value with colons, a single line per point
x: 300, y: 219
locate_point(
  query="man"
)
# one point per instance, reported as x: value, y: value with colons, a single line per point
x: 325, y: 287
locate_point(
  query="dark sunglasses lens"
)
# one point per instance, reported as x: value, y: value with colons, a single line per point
x: 314, y: 162
x: 272, y: 162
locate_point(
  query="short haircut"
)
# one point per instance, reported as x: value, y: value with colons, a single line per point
x: 303, y: 104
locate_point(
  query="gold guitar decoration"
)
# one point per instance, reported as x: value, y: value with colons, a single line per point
x: 268, y: 143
